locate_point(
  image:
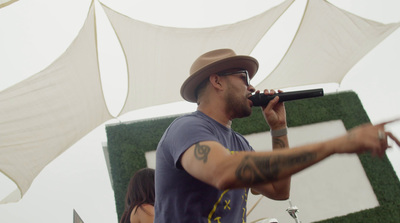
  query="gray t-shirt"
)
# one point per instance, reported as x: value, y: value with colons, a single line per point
x: 179, y: 196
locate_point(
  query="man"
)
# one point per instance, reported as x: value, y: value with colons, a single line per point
x: 204, y: 168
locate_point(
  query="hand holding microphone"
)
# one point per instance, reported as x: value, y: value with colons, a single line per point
x: 260, y: 99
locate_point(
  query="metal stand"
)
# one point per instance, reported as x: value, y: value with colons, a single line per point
x: 293, y: 210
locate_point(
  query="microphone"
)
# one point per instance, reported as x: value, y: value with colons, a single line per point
x: 261, y: 99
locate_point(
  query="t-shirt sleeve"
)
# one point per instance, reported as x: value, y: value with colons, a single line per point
x: 184, y: 133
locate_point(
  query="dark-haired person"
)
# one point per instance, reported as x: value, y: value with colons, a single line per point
x: 205, y: 169
x: 140, y: 197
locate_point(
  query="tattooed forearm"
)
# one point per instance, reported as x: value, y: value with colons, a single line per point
x: 201, y: 152
x: 249, y: 169
x: 278, y: 142
x: 265, y: 169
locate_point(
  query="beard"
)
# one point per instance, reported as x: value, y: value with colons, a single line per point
x: 237, y: 105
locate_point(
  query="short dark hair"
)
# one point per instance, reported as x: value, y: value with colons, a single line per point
x: 200, y: 88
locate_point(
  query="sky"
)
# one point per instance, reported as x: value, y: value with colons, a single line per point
x: 33, y: 33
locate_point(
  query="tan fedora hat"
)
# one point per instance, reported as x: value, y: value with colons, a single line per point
x: 213, y: 62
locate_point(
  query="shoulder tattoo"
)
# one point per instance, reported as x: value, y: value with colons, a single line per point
x: 201, y: 152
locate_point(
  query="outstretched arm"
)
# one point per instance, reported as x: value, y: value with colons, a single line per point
x: 210, y: 162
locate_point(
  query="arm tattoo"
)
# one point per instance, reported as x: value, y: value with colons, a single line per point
x: 201, y: 152
x: 278, y: 142
x: 264, y: 169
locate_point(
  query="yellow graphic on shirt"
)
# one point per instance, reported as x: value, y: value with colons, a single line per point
x: 217, y: 219
x: 232, y: 152
x: 226, y: 207
x: 215, y: 207
x: 244, y: 197
x: 227, y: 203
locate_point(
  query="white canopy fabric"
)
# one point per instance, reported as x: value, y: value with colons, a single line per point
x: 159, y: 58
x: 45, y: 114
x: 329, y: 42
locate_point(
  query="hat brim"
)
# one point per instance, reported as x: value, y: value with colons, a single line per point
x: 192, y: 82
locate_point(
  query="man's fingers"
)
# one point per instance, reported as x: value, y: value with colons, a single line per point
x: 388, y: 122
x: 393, y: 138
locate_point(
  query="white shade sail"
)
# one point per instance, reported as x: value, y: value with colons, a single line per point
x: 159, y: 58
x: 45, y: 114
x: 329, y: 42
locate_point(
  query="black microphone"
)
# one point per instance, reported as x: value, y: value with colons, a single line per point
x: 261, y: 99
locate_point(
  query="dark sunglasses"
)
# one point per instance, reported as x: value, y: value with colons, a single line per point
x: 245, y: 78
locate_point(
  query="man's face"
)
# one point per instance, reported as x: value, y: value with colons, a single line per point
x: 237, y: 92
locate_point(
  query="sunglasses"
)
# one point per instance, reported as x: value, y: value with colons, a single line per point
x: 245, y: 78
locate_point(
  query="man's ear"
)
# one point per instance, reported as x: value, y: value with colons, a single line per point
x: 215, y: 81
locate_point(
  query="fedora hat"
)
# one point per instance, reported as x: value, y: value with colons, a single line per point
x: 213, y: 62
